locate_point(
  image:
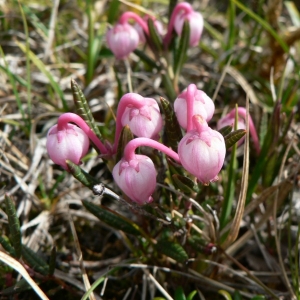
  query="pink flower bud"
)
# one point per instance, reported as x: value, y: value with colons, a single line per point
x: 136, y: 178
x: 144, y: 121
x: 69, y: 143
x: 202, y: 151
x: 203, y: 106
x: 122, y: 39
x: 229, y: 120
x: 195, y: 20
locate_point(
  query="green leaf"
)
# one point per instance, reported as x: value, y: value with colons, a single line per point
x: 185, y: 184
x: 146, y: 59
x: 264, y: 24
x: 7, y: 246
x: 225, y: 130
x: 40, y: 65
x: 35, y: 261
x: 172, y: 250
x: 225, y: 294
x: 181, y: 51
x: 125, y: 136
x: 191, y: 295
x: 113, y: 11
x: 179, y: 294
x: 14, y: 225
x: 83, y: 108
x: 233, y: 137
x: 82, y: 176
x: 154, y: 38
x: 52, y: 261
x: 20, y: 286
x: 173, y: 132
x: 111, y: 218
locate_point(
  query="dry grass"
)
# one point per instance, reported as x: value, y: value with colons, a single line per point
x: 43, y: 47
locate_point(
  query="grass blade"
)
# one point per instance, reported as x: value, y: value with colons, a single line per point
x: 14, y: 225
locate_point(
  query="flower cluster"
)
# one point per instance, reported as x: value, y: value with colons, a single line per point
x: 124, y: 38
x: 201, y: 151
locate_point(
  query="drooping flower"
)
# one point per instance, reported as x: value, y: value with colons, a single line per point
x: 67, y: 143
x: 144, y: 121
x: 202, y: 105
x: 202, y: 151
x: 195, y: 20
x: 135, y: 174
x: 141, y: 114
x: 136, y: 178
x: 122, y: 39
x: 184, y: 12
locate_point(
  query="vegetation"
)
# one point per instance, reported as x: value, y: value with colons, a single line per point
x: 74, y: 234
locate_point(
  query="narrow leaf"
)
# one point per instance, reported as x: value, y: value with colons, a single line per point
x: 52, y: 261
x: 125, y: 136
x: 40, y: 65
x: 14, y: 225
x: 20, y: 286
x: 7, y: 246
x: 179, y: 294
x: 145, y: 58
x: 185, y: 184
x: 82, y: 176
x: 111, y: 218
x: 173, y: 133
x: 154, y: 38
x: 234, y: 230
x: 83, y: 108
x: 225, y: 130
x: 172, y: 250
x: 34, y: 261
x: 233, y: 137
x: 181, y: 51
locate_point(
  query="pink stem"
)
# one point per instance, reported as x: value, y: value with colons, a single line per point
x: 242, y: 112
x: 129, y: 151
x: 66, y: 118
x: 129, y: 99
x: 190, y: 99
x: 200, y: 123
x: 180, y: 6
x: 131, y: 15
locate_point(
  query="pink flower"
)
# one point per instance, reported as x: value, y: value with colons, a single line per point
x: 122, y: 39
x: 195, y: 20
x: 203, y: 106
x: 202, y: 151
x: 136, y: 178
x: 69, y: 143
x: 144, y: 121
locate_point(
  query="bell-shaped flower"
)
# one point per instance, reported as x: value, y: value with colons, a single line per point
x: 68, y: 143
x: 136, y: 178
x: 122, y: 39
x: 202, y: 151
x: 196, y: 23
x: 203, y: 106
x: 144, y: 121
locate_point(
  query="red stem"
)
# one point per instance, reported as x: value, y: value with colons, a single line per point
x: 129, y: 151
x: 131, y: 15
x: 66, y: 118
